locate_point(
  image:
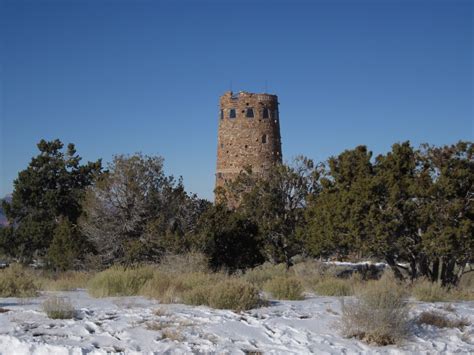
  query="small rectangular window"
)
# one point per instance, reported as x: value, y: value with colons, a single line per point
x: 232, y: 113
x: 264, y: 139
x: 249, y: 112
x: 222, y: 114
x: 265, y: 113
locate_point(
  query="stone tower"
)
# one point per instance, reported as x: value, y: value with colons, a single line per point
x: 249, y: 134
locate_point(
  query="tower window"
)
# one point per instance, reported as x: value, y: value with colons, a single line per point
x: 232, y: 113
x: 265, y: 113
x: 264, y: 139
x: 222, y: 114
x: 249, y: 112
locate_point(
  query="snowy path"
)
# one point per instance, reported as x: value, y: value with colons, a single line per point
x: 135, y: 325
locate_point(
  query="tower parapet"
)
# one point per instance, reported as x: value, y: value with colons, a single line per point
x: 248, y: 135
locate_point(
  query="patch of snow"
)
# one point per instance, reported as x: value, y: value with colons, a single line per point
x: 135, y: 325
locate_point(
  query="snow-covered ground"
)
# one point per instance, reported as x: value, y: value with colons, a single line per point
x: 135, y: 325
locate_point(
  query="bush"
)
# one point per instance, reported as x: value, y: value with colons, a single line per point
x: 234, y: 294
x: 118, y: 281
x: 440, y: 320
x: 178, y: 288
x: 156, y: 286
x: 331, y: 286
x: 378, y: 315
x: 284, y: 288
x: 17, y: 281
x: 67, y: 281
x: 261, y: 274
x: 197, y: 296
x: 58, y: 308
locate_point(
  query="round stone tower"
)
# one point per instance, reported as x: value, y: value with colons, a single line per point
x: 249, y: 134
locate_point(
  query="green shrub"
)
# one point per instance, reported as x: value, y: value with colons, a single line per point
x: 118, y: 281
x: 261, y: 274
x: 284, y: 288
x: 378, y: 315
x: 331, y: 286
x: 58, y: 308
x: 18, y: 281
x: 234, y: 294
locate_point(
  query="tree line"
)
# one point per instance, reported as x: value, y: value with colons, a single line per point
x: 411, y: 208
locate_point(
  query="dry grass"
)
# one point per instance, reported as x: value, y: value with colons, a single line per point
x: 261, y: 274
x: 58, y: 308
x: 18, y: 281
x: 172, y: 334
x: 160, y: 312
x: 234, y: 294
x: 332, y: 286
x: 309, y: 272
x: 379, y: 315
x: 157, y: 326
x: 66, y: 281
x: 284, y: 288
x: 440, y: 320
x: 427, y: 291
x: 118, y: 281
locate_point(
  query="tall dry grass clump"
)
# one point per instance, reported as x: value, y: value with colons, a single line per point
x: 58, y: 308
x: 119, y: 281
x: 209, y: 289
x: 332, y: 286
x: 309, y: 272
x: 234, y: 294
x: 284, y: 288
x: 427, y: 291
x: 379, y: 314
x: 66, y: 281
x: 267, y: 271
x: 18, y: 281
x: 176, y: 288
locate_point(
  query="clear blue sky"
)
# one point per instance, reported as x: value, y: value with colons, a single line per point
x: 128, y: 76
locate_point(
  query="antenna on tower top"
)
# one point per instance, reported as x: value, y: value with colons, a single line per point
x: 266, y: 86
x: 230, y: 85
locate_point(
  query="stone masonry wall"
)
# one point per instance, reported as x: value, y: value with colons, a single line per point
x: 247, y: 141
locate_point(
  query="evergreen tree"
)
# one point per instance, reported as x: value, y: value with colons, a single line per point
x: 276, y: 204
x: 229, y: 239
x: 64, y: 247
x: 413, y: 208
x: 50, y: 188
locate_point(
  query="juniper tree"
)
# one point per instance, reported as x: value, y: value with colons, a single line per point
x: 49, y: 189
